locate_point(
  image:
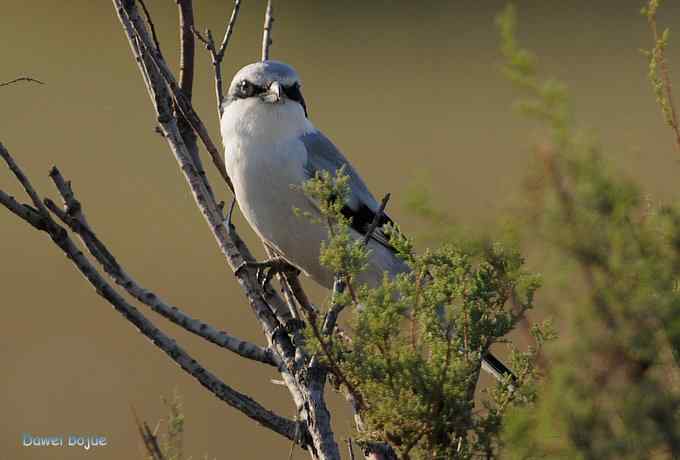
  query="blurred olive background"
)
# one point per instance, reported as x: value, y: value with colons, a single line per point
x: 406, y: 89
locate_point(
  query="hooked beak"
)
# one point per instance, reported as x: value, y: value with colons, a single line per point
x: 274, y: 93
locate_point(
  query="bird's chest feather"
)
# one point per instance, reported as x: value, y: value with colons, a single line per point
x: 267, y: 177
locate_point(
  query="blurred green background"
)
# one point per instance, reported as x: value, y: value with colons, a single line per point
x: 406, y: 89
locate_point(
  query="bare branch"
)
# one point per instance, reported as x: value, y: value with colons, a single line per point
x: 340, y: 284
x: 217, y: 56
x: 308, y: 397
x: 23, y: 180
x: 23, y: 211
x: 73, y: 216
x: 186, y: 31
x: 267, y: 34
x: 61, y: 238
x: 151, y: 26
x: 230, y: 29
x: 178, y: 97
x: 228, y: 240
x: 149, y: 438
x: 18, y: 79
x: 186, y: 80
x: 310, y: 314
x: 336, y: 307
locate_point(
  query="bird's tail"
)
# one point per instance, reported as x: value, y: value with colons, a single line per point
x: 497, y: 369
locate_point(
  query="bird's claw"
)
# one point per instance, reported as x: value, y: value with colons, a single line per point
x: 227, y: 220
x: 267, y: 269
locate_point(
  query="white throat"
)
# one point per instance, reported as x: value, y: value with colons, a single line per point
x: 253, y: 120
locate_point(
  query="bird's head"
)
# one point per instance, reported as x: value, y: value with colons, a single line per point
x: 267, y: 82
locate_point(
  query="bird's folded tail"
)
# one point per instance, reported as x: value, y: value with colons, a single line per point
x: 497, y: 369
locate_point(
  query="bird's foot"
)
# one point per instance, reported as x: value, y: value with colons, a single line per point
x: 227, y: 220
x: 268, y: 268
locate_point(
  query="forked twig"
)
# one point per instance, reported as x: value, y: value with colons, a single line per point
x: 149, y: 438
x: 73, y: 216
x: 41, y: 219
x: 181, y: 101
x: 217, y: 55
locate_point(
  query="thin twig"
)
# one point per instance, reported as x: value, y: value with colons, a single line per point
x: 566, y: 201
x: 228, y: 240
x: 149, y: 438
x: 18, y: 79
x: 61, y: 238
x: 181, y: 101
x: 376, y: 218
x: 267, y: 33
x: 25, y: 183
x: 350, y: 448
x: 217, y: 55
x: 658, y: 58
x: 310, y: 314
x: 336, y: 307
x: 73, y: 216
x: 292, y: 446
x: 308, y: 394
x: 341, y: 283
x: 151, y: 26
x: 230, y: 29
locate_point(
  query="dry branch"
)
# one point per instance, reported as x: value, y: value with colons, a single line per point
x: 305, y: 387
x: 182, y: 103
x: 180, y: 125
x: 217, y: 55
x: 267, y: 34
x: 41, y: 219
x: 18, y: 79
x: 73, y: 216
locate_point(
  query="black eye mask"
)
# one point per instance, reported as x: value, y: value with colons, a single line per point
x: 247, y: 89
x: 293, y: 93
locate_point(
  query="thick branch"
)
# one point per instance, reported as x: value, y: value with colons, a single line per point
x: 310, y: 313
x: 61, y: 238
x: 135, y: 25
x: 73, y: 216
x: 226, y: 239
x: 160, y: 82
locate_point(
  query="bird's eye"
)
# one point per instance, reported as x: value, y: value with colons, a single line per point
x: 246, y: 89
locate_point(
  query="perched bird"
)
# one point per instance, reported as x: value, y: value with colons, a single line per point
x: 271, y: 149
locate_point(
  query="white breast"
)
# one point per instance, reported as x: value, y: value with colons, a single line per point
x: 265, y: 160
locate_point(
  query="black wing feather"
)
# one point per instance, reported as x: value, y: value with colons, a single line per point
x: 361, y: 220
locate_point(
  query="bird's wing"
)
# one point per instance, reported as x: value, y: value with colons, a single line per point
x: 361, y: 206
